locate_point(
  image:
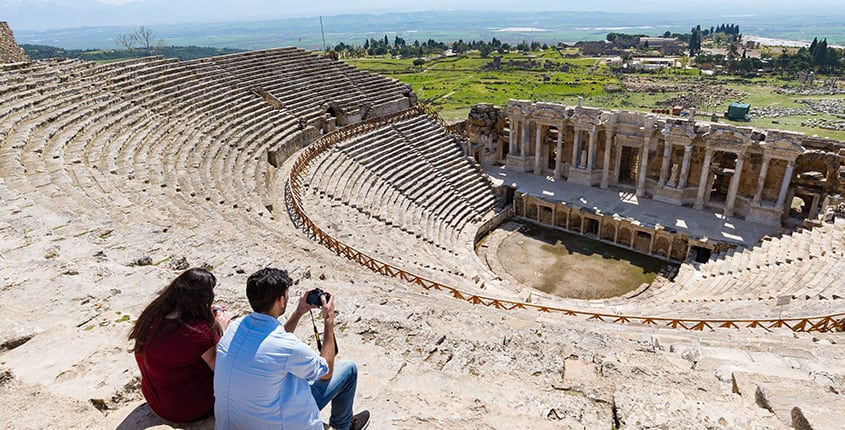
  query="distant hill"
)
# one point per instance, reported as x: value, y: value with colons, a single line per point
x: 40, y: 52
x: 510, y: 27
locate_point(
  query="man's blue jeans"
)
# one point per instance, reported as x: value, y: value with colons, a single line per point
x: 340, y: 390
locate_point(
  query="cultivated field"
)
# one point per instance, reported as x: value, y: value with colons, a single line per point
x: 453, y: 84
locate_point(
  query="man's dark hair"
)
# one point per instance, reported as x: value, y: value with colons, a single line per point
x: 265, y: 287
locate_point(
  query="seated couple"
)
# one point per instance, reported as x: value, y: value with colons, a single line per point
x: 250, y: 373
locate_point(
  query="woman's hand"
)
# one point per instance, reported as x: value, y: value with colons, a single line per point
x: 221, y: 316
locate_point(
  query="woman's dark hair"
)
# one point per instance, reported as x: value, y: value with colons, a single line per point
x: 190, y: 295
x: 265, y: 287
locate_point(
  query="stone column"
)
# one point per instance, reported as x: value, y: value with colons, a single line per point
x: 512, y: 140
x: 538, y: 150
x: 664, y: 166
x: 591, y: 150
x: 682, y: 182
x: 605, y: 173
x: 761, y: 181
x: 702, y: 183
x: 669, y: 251
x: 734, y: 185
x: 526, y: 138
x: 559, y: 151
x: 787, y: 178
x: 643, y: 170
x: 576, y: 148
x: 651, y: 243
x: 617, y: 163
x: 814, y: 208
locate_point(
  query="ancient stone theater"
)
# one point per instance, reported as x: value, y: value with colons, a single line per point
x: 116, y: 177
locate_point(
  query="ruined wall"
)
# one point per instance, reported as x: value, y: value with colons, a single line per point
x: 483, y: 128
x: 10, y: 52
x: 745, y: 172
x: 650, y: 240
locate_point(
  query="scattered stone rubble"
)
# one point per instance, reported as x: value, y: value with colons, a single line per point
x: 698, y: 95
x: 775, y: 112
x: 824, y: 123
x: 827, y: 106
x: 811, y: 91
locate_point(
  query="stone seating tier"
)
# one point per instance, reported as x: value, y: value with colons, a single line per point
x: 401, y: 176
x: 119, y: 135
x: 804, y: 265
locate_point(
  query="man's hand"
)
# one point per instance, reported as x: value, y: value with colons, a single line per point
x: 328, y: 308
x: 329, y: 344
x: 302, y: 308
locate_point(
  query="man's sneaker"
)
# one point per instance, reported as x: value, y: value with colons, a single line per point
x: 360, y: 421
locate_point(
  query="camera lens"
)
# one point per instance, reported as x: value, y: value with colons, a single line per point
x: 314, y: 297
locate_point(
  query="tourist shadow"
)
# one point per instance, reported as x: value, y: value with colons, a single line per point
x: 142, y: 417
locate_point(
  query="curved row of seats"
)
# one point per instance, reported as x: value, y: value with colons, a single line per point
x: 411, y: 175
x: 303, y: 82
x: 161, y: 140
x: 805, y: 265
x: 409, y: 186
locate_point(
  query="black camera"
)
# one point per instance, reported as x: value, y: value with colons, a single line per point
x: 314, y: 297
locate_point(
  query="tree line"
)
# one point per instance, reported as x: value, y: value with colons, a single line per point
x: 141, y: 42
x: 416, y: 49
x: 42, y: 52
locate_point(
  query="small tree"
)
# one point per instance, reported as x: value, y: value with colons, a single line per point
x: 126, y: 41
x: 485, y: 50
x: 142, y: 37
x: 145, y: 38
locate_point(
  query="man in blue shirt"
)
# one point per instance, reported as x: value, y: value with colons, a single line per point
x: 266, y: 378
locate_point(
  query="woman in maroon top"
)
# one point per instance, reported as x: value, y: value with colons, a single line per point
x: 175, y: 344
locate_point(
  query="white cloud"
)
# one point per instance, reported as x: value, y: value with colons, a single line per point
x: 118, y: 2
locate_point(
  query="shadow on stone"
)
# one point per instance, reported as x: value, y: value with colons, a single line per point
x: 142, y: 417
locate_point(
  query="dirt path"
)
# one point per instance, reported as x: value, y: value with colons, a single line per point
x: 570, y: 266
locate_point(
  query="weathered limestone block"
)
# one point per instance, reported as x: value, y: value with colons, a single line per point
x: 582, y: 380
x: 10, y: 52
x: 14, y: 334
x: 799, y: 403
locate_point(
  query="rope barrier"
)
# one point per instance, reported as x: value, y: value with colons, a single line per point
x: 297, y: 178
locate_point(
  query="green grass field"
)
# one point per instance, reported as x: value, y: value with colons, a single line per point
x: 453, y: 84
